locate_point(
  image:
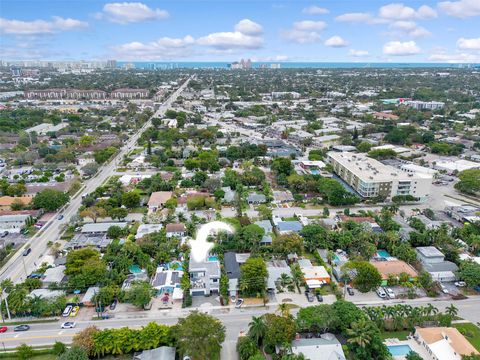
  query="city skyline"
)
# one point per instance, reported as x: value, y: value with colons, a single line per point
x: 276, y: 31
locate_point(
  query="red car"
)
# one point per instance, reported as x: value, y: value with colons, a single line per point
x: 3, y: 329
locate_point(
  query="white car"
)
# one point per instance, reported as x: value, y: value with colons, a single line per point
x: 381, y: 293
x: 460, y: 284
x: 390, y: 293
x: 444, y: 289
x: 68, y: 325
x: 67, y: 310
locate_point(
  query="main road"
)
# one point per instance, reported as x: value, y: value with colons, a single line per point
x: 19, y: 266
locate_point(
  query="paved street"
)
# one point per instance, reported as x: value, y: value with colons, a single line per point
x: 18, y: 267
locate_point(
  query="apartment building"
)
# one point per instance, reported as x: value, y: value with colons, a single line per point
x: 370, y: 178
x: 129, y: 94
x: 425, y: 105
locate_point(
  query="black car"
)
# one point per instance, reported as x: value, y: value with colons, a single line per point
x: 309, y: 296
x: 319, y: 297
x: 350, y: 291
x: 21, y: 328
x: 27, y: 251
x: 113, y: 305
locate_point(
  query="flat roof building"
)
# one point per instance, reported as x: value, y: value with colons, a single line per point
x: 370, y: 178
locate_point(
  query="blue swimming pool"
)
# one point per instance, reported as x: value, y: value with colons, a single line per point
x: 383, y: 253
x: 315, y: 172
x: 213, y: 258
x: 399, y: 350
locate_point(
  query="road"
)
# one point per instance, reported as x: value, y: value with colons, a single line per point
x: 19, y: 266
x: 235, y: 321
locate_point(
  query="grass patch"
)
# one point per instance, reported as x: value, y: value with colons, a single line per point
x: 400, y: 335
x: 35, y: 357
x: 10, y: 323
x: 471, y: 332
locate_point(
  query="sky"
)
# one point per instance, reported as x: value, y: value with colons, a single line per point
x: 228, y: 30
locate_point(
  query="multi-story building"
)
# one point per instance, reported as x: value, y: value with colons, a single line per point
x: 425, y: 105
x: 129, y: 94
x: 72, y: 94
x: 370, y: 178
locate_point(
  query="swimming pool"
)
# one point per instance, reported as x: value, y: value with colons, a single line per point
x: 315, y: 172
x: 135, y: 269
x: 213, y: 258
x: 383, y: 253
x: 399, y: 350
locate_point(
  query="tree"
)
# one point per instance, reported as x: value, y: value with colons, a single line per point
x: 366, y: 277
x: 364, y: 147
x: 253, y: 277
x: 140, y: 293
x: 246, y: 348
x: 451, y: 310
x: 131, y: 199
x: 365, y: 342
x: 347, y: 313
x: 50, y: 200
x: 288, y: 244
x: 90, y: 169
x: 85, y: 268
x: 320, y: 318
x: 412, y: 355
x: 257, y: 329
x: 315, y: 236
x: 200, y: 336
x: 425, y: 279
x: 470, y: 273
x: 74, y: 353
x: 280, y: 330
x: 59, y: 348
x: 118, y: 213
x: 469, y: 181
x: 282, y: 166
x: 114, y: 232
x: 264, y: 211
x: 94, y: 213
x: 24, y: 352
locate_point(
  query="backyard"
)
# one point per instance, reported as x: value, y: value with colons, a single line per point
x: 471, y: 332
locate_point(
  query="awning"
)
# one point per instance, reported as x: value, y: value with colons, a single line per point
x: 312, y: 284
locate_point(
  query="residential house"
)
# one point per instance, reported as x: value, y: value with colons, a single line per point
x: 393, y: 267
x: 314, y: 276
x: 101, y: 228
x: 204, y: 276
x: 325, y: 347
x: 232, y: 269
x: 54, y: 275
x: 13, y: 223
x: 87, y: 299
x: 176, y: 230
x: 275, y: 270
x: 266, y: 225
x: 160, y: 353
x: 444, y: 343
x: 254, y: 198
x: 168, y: 281
x: 288, y: 227
x: 280, y: 197
x: 434, y: 262
x: 158, y: 199
x: 46, y: 293
x: 145, y: 229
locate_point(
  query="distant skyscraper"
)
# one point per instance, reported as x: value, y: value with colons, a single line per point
x: 111, y: 64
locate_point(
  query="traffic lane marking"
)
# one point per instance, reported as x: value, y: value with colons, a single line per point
x: 39, y: 337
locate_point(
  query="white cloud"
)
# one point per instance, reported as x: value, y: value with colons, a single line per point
x: 461, y: 9
x: 228, y: 40
x: 132, y: 12
x: 398, y: 48
x: 307, y: 25
x: 441, y: 55
x: 409, y: 28
x: 401, y: 12
x: 468, y: 44
x: 355, y: 17
x: 163, y: 48
x: 358, y: 53
x: 35, y: 27
x: 248, y: 27
x: 306, y: 31
x: 315, y: 10
x: 336, y: 41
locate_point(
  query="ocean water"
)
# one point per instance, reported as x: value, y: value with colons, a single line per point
x: 153, y: 65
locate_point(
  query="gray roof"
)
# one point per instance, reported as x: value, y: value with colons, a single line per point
x: 161, y: 353
x: 46, y: 293
x: 429, y: 251
x: 89, y: 239
x: 54, y: 275
x: 90, y: 293
x: 101, y: 227
x: 266, y: 239
x: 253, y: 197
x: 232, y: 268
x: 212, y: 268
x: 441, y: 267
x: 13, y: 218
x: 326, y: 347
x: 294, y: 226
x: 266, y: 225
x: 275, y: 269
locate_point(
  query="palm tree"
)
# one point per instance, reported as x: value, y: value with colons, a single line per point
x: 284, y: 310
x: 257, y: 329
x: 285, y: 280
x: 360, y: 333
x: 430, y: 310
x: 451, y: 310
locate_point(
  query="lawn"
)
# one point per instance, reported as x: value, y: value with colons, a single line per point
x: 400, y: 335
x: 471, y: 332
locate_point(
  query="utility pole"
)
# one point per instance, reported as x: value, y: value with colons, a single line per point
x: 3, y: 297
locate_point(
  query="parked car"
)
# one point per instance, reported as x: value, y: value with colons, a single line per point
x: 319, y: 297
x: 21, y: 328
x: 239, y: 303
x: 74, y: 311
x: 68, y: 325
x: 444, y: 289
x: 381, y: 293
x: 5, y: 233
x: 113, y: 305
x: 350, y: 291
x: 27, y: 251
x: 34, y: 276
x: 309, y: 296
x: 3, y: 329
x: 460, y: 284
x: 390, y: 293
x: 67, y: 311
x: 60, y: 217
